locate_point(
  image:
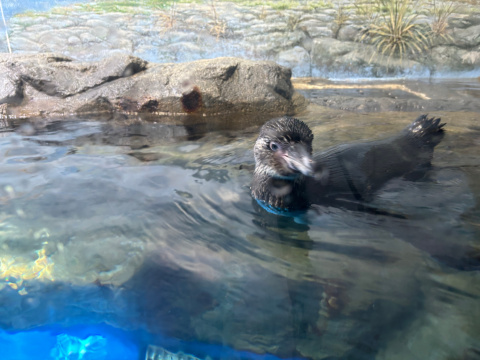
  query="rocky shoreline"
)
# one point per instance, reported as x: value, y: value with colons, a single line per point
x: 40, y: 85
x: 312, y: 42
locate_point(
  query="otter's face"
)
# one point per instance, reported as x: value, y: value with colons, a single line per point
x: 284, y: 148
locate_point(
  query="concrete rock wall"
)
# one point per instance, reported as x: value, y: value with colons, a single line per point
x: 312, y: 42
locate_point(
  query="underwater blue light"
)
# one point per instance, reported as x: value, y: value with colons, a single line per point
x: 103, y: 342
x: 72, y: 347
x: 76, y: 343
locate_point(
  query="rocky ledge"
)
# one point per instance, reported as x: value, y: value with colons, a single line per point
x: 52, y: 84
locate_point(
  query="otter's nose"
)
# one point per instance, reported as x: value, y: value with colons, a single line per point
x: 298, y: 159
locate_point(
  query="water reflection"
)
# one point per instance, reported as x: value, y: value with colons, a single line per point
x: 150, y: 230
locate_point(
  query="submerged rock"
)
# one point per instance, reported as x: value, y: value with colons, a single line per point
x: 405, y: 95
x: 50, y: 84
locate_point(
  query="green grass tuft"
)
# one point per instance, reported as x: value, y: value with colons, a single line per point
x: 441, y: 11
x: 396, y: 31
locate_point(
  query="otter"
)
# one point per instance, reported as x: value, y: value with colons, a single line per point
x: 288, y: 178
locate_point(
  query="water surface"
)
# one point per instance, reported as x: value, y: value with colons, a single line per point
x: 143, y: 232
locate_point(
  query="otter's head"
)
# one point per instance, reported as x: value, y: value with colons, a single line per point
x: 284, y: 148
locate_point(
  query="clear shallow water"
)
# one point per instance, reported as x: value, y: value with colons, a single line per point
x: 144, y: 233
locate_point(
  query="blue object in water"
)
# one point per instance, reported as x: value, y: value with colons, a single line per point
x: 104, y: 342
x: 278, y: 210
x: 298, y: 216
x: 90, y: 342
x: 73, y: 348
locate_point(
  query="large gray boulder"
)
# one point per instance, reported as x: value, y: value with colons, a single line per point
x: 49, y: 84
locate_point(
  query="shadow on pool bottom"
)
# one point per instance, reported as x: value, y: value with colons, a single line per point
x: 153, y: 310
x: 58, y: 321
x: 104, y: 342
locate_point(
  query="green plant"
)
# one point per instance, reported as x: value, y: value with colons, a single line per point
x: 126, y: 6
x: 341, y: 17
x: 316, y: 5
x: 292, y: 22
x: 169, y: 19
x: 365, y: 10
x: 396, y: 31
x: 263, y: 14
x: 441, y: 13
x: 284, y: 4
x: 219, y: 27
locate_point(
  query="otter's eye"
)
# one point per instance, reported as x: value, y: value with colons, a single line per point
x: 274, y: 146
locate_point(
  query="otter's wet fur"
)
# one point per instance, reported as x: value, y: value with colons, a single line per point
x: 288, y: 177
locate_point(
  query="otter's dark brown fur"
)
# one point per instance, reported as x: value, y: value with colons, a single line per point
x: 288, y: 177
